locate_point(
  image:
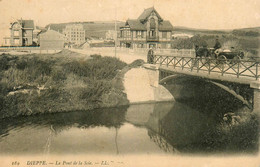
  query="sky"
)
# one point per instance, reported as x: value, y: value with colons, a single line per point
x: 205, y: 14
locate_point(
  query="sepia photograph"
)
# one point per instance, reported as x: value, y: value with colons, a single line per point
x: 129, y: 83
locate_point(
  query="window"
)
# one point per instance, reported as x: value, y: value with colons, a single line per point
x: 121, y: 33
x: 164, y: 34
x: 169, y: 35
x: 139, y: 34
x: 124, y: 33
x: 128, y: 33
x: 16, y: 41
x: 152, y: 33
x: 16, y: 33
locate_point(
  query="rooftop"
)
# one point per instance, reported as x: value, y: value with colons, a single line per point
x: 140, y: 23
x: 27, y: 23
x: 147, y: 12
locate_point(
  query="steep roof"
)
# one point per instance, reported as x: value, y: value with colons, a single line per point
x: 147, y: 12
x: 137, y: 25
x: 140, y: 23
x: 165, y: 26
x: 51, y: 35
x: 27, y: 23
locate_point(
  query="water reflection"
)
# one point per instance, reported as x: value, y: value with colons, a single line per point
x: 146, y: 128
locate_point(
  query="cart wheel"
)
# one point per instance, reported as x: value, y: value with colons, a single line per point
x: 222, y: 59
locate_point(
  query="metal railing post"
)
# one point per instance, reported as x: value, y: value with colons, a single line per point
x: 222, y: 69
x: 182, y: 63
x: 208, y: 61
x: 198, y: 64
x: 174, y: 63
x: 167, y: 60
x: 238, y: 65
x: 257, y: 71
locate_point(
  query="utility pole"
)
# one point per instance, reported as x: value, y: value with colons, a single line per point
x: 115, y: 29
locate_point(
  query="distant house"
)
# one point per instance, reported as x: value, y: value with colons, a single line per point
x: 7, y: 41
x: 51, y: 40
x: 75, y: 33
x: 149, y: 30
x: 181, y: 36
x: 21, y: 33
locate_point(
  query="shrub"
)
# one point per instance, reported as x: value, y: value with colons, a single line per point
x: 4, y: 63
x: 21, y: 65
x: 96, y: 68
x: 95, y: 90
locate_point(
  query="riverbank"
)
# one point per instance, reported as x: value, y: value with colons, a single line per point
x: 66, y: 81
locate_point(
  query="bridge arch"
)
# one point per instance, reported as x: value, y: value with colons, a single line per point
x: 169, y: 76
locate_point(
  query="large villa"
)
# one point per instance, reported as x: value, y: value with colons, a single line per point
x: 147, y: 31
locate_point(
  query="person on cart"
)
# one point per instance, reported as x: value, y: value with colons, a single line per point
x: 217, y: 47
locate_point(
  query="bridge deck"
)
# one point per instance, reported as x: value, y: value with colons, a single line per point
x: 241, y: 71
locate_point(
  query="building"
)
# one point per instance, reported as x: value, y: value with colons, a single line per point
x: 75, y: 33
x: 148, y: 31
x: 21, y: 33
x: 37, y: 31
x: 6, y: 41
x: 51, y: 40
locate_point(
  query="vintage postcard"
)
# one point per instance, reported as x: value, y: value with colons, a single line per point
x: 120, y: 83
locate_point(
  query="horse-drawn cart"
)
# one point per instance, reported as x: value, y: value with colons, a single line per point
x: 221, y: 56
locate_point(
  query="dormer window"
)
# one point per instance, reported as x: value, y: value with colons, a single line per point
x: 152, y: 23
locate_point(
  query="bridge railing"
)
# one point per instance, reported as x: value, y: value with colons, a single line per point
x: 237, y: 68
x: 176, y: 52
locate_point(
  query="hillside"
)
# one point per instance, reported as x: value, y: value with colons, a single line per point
x: 250, y: 32
x: 194, y: 31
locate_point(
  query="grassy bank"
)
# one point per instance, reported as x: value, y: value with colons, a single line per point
x: 66, y: 81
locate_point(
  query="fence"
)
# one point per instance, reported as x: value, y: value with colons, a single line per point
x: 172, y: 52
x: 28, y: 50
x: 241, y: 68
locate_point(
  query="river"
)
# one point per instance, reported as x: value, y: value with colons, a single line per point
x: 161, y: 128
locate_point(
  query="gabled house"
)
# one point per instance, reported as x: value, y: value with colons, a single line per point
x: 51, y: 40
x: 22, y: 33
x: 149, y: 30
